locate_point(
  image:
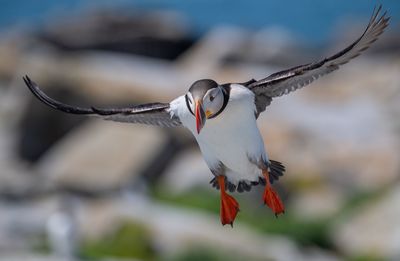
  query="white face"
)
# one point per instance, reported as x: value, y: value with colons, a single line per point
x: 213, y: 101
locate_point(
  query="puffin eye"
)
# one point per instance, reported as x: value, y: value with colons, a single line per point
x: 211, y: 98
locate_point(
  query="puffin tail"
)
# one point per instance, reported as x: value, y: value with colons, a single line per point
x: 276, y: 170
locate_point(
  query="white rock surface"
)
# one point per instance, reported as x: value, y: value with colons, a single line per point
x: 101, y: 155
x: 375, y: 229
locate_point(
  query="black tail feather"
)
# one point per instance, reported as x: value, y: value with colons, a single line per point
x: 276, y: 170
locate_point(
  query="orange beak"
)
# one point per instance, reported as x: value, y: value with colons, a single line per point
x: 200, y: 116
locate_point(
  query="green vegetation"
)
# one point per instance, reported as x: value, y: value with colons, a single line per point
x: 361, y: 198
x: 201, y: 253
x: 305, y: 232
x: 41, y: 244
x: 197, y: 198
x: 130, y: 240
x: 366, y: 258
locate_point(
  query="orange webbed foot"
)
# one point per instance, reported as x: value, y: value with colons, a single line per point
x: 271, y: 197
x: 272, y: 200
x: 229, y: 209
x: 229, y: 206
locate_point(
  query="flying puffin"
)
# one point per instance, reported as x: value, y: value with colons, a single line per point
x: 222, y: 118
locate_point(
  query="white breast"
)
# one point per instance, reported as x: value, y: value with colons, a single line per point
x: 231, y: 138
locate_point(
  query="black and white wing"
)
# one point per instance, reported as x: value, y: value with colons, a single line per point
x: 151, y: 113
x: 286, y: 81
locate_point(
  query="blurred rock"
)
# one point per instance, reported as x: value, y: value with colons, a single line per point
x: 205, y: 58
x: 16, y: 178
x: 18, y: 182
x: 338, y: 127
x: 317, y: 203
x: 34, y: 135
x: 152, y: 34
x: 101, y: 155
x: 10, y: 53
x: 270, y: 46
x: 107, y: 77
x: 22, y: 225
x: 373, y: 230
x: 29, y: 257
x: 186, y: 171
x: 62, y: 230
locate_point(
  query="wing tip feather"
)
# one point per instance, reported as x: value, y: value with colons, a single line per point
x: 110, y: 114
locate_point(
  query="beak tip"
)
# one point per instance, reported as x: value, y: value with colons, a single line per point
x: 198, y: 128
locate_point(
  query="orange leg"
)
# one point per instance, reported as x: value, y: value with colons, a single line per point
x: 229, y: 206
x: 271, y: 198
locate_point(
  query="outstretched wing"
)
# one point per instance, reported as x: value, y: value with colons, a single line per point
x: 151, y: 113
x: 286, y: 81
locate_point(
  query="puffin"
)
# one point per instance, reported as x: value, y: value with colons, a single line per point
x: 223, y: 119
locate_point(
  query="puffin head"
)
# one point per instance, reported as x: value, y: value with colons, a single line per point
x: 205, y: 100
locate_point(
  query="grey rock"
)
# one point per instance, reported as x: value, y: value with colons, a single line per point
x: 101, y: 155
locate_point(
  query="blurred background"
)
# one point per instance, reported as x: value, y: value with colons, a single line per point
x: 76, y: 188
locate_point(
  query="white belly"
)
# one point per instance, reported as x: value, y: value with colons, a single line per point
x: 232, y: 137
x: 233, y: 143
